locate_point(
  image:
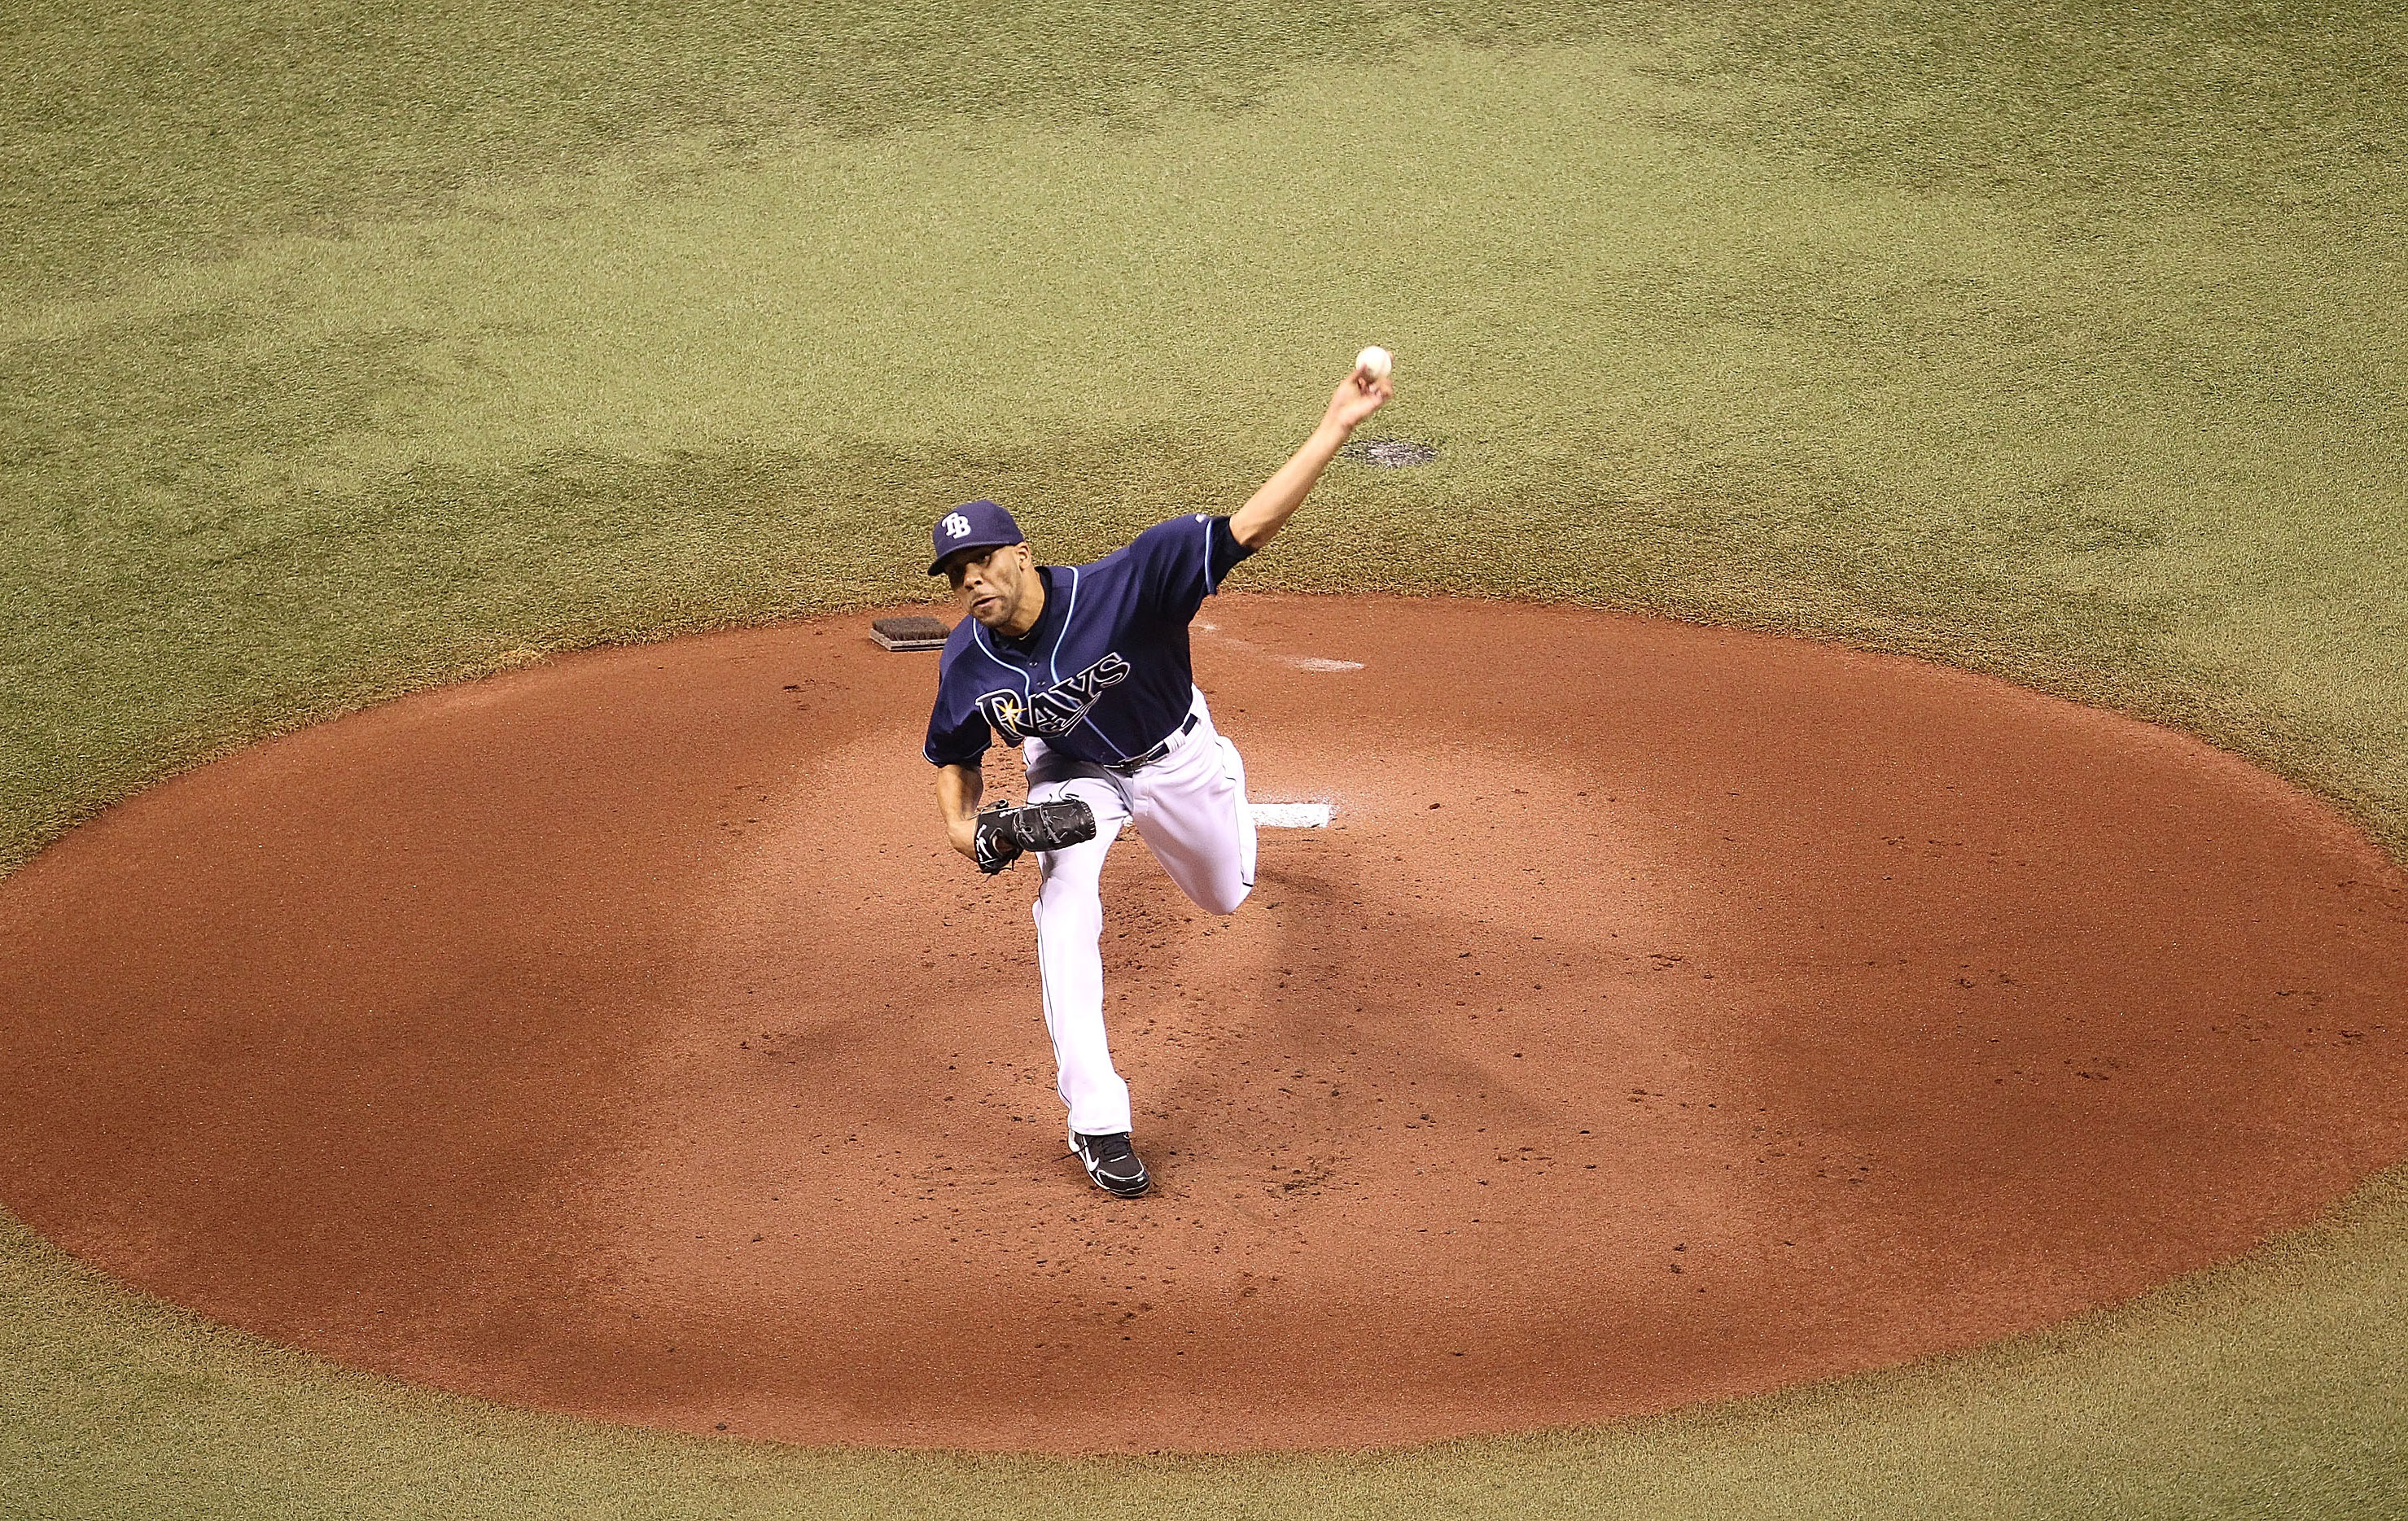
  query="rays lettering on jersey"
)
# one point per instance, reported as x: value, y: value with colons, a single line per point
x: 1058, y: 708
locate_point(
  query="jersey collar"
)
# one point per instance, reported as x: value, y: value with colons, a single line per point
x: 1039, y: 636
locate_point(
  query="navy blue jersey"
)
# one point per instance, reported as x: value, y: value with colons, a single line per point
x: 1104, y: 674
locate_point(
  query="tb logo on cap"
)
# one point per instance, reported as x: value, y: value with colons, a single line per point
x: 973, y: 525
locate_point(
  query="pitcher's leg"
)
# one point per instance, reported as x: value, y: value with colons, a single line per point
x: 1235, y: 764
x: 1191, y: 812
x: 1070, y: 916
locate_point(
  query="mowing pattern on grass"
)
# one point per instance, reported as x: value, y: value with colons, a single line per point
x: 347, y: 352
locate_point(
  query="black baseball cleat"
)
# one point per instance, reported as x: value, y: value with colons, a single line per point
x: 1112, y: 1161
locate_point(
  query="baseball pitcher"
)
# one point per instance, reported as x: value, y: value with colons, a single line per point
x: 1086, y: 667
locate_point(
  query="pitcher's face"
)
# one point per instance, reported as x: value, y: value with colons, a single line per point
x: 994, y: 584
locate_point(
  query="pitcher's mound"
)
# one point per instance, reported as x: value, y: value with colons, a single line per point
x: 1668, y: 1014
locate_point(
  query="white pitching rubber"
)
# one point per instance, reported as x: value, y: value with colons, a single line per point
x: 1291, y: 815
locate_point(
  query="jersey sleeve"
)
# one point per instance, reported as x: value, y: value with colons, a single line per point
x: 956, y: 744
x: 1183, y: 561
x: 957, y: 731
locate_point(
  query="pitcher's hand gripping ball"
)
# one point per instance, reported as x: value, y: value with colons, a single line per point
x: 1004, y: 831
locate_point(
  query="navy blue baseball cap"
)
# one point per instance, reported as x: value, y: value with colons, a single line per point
x: 973, y: 525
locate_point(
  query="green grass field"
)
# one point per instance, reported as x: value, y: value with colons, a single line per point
x: 348, y: 352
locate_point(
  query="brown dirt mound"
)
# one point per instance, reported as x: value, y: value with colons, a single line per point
x: 1673, y: 1014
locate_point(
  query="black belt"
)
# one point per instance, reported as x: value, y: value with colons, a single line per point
x: 1135, y: 763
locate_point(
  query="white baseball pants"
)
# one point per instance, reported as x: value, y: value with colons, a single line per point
x: 1190, y: 810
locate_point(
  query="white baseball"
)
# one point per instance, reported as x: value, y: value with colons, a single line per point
x: 1375, y: 361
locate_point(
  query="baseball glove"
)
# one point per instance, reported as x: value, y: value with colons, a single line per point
x: 1004, y: 830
